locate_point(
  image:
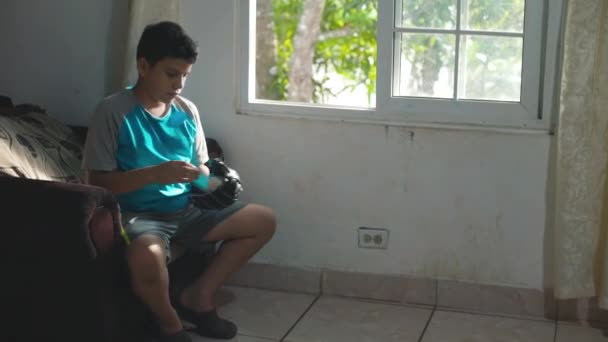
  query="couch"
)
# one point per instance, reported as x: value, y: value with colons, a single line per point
x: 63, y: 273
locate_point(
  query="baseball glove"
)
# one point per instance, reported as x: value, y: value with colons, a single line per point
x: 225, y: 194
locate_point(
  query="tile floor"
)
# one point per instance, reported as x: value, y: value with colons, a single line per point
x: 264, y: 316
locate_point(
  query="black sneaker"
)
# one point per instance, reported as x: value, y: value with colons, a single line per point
x: 208, y: 324
x: 180, y: 336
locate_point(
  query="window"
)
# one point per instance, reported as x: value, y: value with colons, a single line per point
x: 472, y: 62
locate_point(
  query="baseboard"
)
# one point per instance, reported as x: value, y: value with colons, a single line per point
x: 275, y: 277
x: 443, y: 294
x: 402, y: 290
x: 583, y: 311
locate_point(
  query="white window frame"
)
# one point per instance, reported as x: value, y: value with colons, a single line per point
x: 534, y: 113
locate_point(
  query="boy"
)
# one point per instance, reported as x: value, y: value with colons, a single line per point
x: 146, y: 145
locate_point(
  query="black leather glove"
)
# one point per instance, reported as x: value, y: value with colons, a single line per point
x: 225, y: 194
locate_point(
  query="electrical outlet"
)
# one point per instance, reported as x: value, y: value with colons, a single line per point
x: 373, y: 238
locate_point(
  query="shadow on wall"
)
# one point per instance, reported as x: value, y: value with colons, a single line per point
x: 549, y: 235
x: 115, y: 54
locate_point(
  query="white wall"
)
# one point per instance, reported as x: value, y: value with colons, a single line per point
x: 459, y: 205
x: 61, y: 54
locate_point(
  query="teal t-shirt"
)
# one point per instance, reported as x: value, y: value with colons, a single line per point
x: 124, y: 136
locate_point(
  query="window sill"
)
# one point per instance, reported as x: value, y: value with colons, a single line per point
x: 360, y: 119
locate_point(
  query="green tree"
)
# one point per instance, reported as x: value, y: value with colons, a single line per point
x: 485, y: 61
x: 427, y: 53
x: 298, y: 39
x: 343, y: 40
x: 493, y: 65
x: 266, y: 51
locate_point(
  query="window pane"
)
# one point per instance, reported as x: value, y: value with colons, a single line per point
x: 427, y: 65
x: 490, y: 68
x: 438, y: 14
x: 494, y: 15
x: 316, y: 51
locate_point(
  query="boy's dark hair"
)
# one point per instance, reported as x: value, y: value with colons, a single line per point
x: 166, y: 40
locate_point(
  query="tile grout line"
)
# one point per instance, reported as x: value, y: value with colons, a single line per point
x: 426, y: 326
x: 428, y: 322
x: 436, y: 301
x: 322, y: 277
x: 300, y: 318
x: 556, y: 321
x: 258, y: 337
x: 555, y: 333
x: 381, y: 301
x: 262, y: 288
x: 493, y: 314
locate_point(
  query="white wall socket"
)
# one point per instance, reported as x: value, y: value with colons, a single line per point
x: 373, y: 238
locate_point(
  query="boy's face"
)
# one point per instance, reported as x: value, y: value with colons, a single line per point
x: 164, y: 80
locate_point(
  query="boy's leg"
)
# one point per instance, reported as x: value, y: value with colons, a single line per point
x: 243, y: 234
x: 146, y: 257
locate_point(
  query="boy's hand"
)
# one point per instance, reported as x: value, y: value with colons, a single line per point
x: 204, y: 169
x: 226, y: 193
x: 214, y: 183
x: 176, y: 172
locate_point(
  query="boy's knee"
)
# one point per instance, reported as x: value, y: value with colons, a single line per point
x: 146, y: 258
x: 267, y: 223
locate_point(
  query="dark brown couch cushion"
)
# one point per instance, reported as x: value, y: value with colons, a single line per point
x: 51, y: 261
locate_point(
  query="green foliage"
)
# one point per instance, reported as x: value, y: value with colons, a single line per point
x: 286, y: 15
x: 428, y: 53
x: 490, y: 61
x: 438, y: 14
x: 348, y: 44
x: 351, y: 54
x: 505, y: 15
x: 486, y: 61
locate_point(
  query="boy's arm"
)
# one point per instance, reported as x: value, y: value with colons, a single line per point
x: 200, y: 155
x: 119, y: 182
x: 171, y: 172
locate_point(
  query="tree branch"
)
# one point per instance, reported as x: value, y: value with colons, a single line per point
x: 336, y: 34
x: 300, y: 87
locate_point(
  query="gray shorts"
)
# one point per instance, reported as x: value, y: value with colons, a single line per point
x: 185, y: 228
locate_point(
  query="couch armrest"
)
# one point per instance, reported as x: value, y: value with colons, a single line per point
x: 61, y: 247
x: 57, y: 220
